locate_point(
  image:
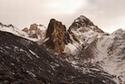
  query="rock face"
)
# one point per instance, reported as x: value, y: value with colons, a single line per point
x: 24, y: 62
x: 57, y: 36
x: 35, y: 31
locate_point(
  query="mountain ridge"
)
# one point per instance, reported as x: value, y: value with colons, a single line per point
x: 84, y: 44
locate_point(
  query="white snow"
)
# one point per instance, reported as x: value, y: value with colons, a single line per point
x: 12, y: 30
x: 85, y: 38
x: 34, y: 54
x: 72, y: 48
x: 113, y: 61
x: 31, y: 73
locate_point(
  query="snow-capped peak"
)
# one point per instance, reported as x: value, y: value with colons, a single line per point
x: 84, y: 24
x: 83, y: 32
x: 83, y: 21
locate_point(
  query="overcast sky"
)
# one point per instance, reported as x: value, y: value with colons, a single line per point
x: 109, y: 15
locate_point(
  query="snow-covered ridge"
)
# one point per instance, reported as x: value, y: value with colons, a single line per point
x: 114, y: 49
x: 12, y: 29
x: 107, y: 50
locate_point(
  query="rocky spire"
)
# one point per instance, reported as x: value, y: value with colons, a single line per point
x: 58, y: 36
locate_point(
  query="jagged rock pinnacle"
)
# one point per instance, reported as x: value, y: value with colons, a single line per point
x: 58, y: 36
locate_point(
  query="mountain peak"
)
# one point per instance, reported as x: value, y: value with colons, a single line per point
x: 84, y: 24
x: 82, y: 21
x: 82, y: 28
x: 57, y: 36
x: 83, y: 45
x: 35, y: 31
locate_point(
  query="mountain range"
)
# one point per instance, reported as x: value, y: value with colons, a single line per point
x: 80, y: 54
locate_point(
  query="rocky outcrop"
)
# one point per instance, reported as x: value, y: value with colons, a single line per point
x: 26, y: 30
x: 57, y: 36
x: 35, y: 31
x: 24, y: 62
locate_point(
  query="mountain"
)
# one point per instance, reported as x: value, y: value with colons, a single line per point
x: 80, y: 54
x: 57, y: 36
x: 98, y: 48
x: 23, y: 33
x: 35, y: 32
x: 11, y: 28
x: 84, y: 35
x: 82, y: 32
x: 25, y: 62
x: 86, y: 25
x: 112, y: 53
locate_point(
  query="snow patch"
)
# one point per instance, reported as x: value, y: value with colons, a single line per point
x: 34, y: 54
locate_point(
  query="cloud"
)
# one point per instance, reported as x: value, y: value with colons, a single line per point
x: 108, y: 14
x: 66, y: 6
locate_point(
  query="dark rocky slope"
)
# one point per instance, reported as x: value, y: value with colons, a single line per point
x: 24, y: 62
